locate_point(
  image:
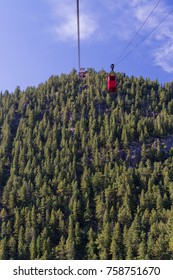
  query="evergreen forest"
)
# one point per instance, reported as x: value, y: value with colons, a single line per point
x: 86, y: 174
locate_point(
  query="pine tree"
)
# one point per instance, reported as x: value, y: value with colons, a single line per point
x: 32, y: 249
x: 3, y: 249
x: 70, y: 242
x: 117, y: 243
x: 91, y: 246
x: 60, y: 250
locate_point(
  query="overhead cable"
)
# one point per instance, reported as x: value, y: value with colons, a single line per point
x: 78, y: 32
x: 145, y: 37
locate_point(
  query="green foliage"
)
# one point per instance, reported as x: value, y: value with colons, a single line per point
x: 85, y: 174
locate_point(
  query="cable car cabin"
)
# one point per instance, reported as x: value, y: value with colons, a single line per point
x: 111, y: 82
x: 82, y: 73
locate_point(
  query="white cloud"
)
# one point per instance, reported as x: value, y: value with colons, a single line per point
x: 117, y: 20
x: 65, y: 20
x: 158, y: 45
x: 164, y: 57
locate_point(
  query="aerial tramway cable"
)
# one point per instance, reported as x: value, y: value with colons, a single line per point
x: 81, y: 71
x: 145, y: 37
x: 78, y: 34
x: 119, y: 58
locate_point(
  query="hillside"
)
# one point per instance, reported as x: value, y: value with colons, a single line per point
x: 85, y: 174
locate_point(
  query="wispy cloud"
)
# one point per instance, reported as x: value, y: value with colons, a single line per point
x: 160, y: 41
x: 64, y: 26
x: 129, y: 16
x: 117, y: 20
x: 164, y: 57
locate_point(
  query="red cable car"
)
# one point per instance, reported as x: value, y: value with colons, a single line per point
x: 111, y: 80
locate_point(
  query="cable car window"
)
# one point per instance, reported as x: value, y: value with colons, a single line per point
x: 112, y: 78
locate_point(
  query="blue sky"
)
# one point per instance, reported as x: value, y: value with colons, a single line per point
x: 39, y: 39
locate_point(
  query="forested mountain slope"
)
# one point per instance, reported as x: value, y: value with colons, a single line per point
x: 85, y: 174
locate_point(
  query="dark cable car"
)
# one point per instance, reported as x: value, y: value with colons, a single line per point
x: 82, y: 73
x: 111, y: 80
